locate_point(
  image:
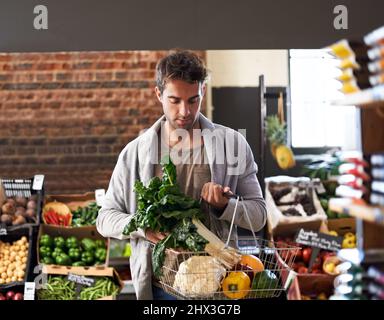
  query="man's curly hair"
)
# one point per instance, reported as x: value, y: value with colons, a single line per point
x: 180, y: 65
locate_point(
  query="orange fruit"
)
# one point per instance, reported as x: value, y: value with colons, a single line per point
x: 252, y: 262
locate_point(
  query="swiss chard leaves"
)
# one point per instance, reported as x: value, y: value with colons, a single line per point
x: 162, y: 207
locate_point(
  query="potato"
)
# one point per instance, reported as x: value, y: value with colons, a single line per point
x: 6, y: 218
x: 20, y: 274
x: 4, y: 275
x: 8, y: 208
x: 21, y: 201
x: 31, y: 204
x: 30, y: 213
x: 20, y: 211
x: 11, y: 201
x: 19, y: 220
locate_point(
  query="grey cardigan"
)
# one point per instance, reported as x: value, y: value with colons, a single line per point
x: 136, y: 162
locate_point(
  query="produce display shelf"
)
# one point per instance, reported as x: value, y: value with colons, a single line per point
x: 364, y: 212
x: 368, y: 98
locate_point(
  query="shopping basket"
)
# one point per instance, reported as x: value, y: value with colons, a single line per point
x: 196, y: 275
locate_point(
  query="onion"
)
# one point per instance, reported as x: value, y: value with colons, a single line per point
x: 10, y: 295
x: 18, y: 296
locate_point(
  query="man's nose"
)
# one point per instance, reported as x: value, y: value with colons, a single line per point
x: 184, y: 110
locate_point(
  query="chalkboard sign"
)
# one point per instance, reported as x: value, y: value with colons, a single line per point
x: 81, y: 280
x: 318, y: 240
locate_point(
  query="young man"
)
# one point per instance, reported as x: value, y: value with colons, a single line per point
x: 210, y: 160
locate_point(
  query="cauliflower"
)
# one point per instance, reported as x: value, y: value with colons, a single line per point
x: 199, y: 276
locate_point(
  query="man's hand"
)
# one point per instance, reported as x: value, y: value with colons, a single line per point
x: 154, y: 237
x: 213, y: 194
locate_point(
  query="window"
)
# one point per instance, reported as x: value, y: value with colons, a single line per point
x: 314, y: 121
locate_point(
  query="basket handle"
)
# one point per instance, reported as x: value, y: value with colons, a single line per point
x: 238, y: 198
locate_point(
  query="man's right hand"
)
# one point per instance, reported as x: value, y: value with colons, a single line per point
x: 154, y: 237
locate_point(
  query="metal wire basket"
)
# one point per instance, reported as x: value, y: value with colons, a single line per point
x: 263, y: 272
x: 208, y: 276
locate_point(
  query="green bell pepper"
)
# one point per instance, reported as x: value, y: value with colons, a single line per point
x: 74, y: 254
x: 46, y: 241
x: 59, y: 242
x: 100, y: 243
x: 47, y: 260
x: 88, y: 258
x: 63, y: 259
x: 79, y: 264
x: 88, y: 244
x: 45, y: 252
x: 101, y: 254
x: 72, y: 242
x: 56, y: 252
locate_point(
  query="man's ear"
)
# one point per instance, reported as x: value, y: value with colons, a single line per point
x: 158, y: 94
x: 203, y: 89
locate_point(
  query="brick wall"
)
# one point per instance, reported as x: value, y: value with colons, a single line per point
x: 68, y: 115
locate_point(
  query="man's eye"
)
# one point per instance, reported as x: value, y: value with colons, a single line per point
x: 193, y: 100
x: 174, y: 101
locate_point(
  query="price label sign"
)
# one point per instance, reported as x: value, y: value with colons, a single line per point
x: 318, y: 240
x: 38, y: 181
x: 29, y: 291
x: 81, y: 280
x: 100, y: 195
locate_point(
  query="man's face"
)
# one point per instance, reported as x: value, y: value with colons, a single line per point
x: 181, y: 103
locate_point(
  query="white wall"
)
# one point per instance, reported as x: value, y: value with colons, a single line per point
x: 241, y: 68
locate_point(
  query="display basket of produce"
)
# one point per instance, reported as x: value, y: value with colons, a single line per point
x: 74, y: 283
x: 292, y: 200
x: 15, y: 257
x: 21, y: 201
x: 77, y: 210
x: 257, y: 269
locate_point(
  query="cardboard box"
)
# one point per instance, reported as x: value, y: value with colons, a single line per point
x: 308, y: 284
x: 73, y: 201
x: 276, y: 217
x: 342, y: 225
x: 296, y: 292
x: 78, y: 232
x: 96, y: 271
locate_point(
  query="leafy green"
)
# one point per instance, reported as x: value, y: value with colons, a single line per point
x: 162, y: 207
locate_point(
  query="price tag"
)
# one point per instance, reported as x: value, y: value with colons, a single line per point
x: 81, y: 280
x: 38, y: 181
x: 100, y: 195
x: 319, y: 187
x: 29, y: 291
x: 318, y: 240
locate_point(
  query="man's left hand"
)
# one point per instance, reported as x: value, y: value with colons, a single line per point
x: 212, y: 193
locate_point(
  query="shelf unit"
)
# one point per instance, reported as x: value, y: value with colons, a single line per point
x: 369, y: 220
